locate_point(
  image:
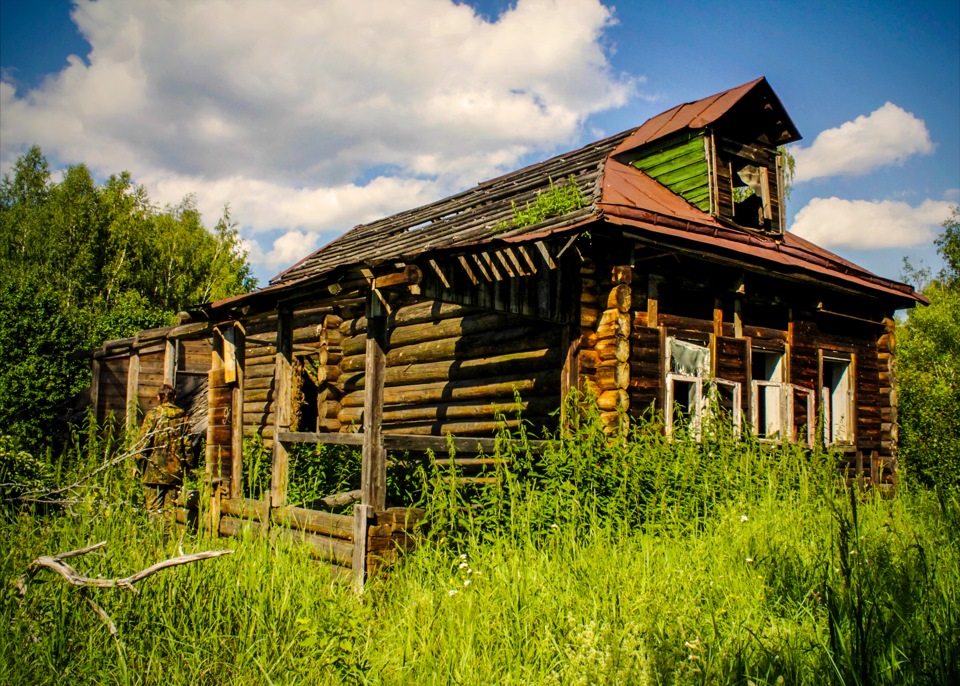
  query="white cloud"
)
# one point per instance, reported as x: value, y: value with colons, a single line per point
x: 838, y: 223
x: 309, y: 116
x: 300, y: 92
x: 886, y: 136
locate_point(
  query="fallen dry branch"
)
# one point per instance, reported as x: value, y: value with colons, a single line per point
x: 56, y: 564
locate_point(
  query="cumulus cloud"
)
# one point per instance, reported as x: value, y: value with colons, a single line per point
x: 304, y: 93
x: 886, y: 136
x: 838, y: 223
x: 308, y: 116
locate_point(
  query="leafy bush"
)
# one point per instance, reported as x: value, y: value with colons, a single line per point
x: 928, y: 371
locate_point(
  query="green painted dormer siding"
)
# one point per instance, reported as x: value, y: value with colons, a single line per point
x: 679, y: 163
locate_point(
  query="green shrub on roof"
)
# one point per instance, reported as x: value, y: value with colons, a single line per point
x: 555, y: 201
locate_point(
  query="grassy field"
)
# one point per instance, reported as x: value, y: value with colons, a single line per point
x: 643, y: 562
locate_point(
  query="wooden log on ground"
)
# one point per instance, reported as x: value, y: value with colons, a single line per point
x: 326, y: 548
x: 245, y: 508
x: 235, y: 526
x: 314, y: 521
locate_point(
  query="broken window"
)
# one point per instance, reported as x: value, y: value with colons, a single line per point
x: 748, y: 185
x: 693, y: 399
x: 837, y: 400
x: 305, y: 393
x: 766, y: 394
x: 776, y: 404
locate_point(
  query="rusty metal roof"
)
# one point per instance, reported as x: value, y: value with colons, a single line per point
x: 616, y: 192
x: 710, y: 110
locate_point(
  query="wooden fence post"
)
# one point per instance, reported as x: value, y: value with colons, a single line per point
x: 236, y: 479
x: 133, y: 385
x: 282, y: 385
x: 170, y: 350
x: 361, y: 518
x: 373, y: 483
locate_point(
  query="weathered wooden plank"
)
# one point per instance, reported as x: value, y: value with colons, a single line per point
x: 373, y: 482
x: 482, y: 387
x: 314, y: 521
x: 282, y: 406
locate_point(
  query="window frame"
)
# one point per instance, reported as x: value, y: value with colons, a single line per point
x: 827, y: 392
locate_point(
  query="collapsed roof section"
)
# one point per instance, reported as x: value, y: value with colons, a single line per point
x: 619, y: 197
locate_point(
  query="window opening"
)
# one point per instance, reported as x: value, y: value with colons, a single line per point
x: 726, y: 401
x: 837, y: 398
x: 305, y: 393
x: 806, y: 398
x: 767, y: 396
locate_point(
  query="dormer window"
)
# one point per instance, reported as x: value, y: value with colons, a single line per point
x: 746, y: 185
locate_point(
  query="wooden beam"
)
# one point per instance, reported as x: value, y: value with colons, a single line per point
x: 283, y: 382
x: 236, y: 428
x: 466, y: 267
x: 737, y: 317
x: 374, y: 463
x: 409, y: 276
x: 171, y: 349
x: 320, y: 437
x: 194, y: 330
x: 396, y: 441
x: 133, y: 386
x: 95, y: 389
x: 653, y: 286
x: 229, y: 333
x: 361, y: 518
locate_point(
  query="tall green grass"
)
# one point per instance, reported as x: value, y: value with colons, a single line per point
x: 601, y: 561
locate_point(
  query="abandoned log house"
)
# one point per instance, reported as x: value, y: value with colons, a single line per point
x: 651, y: 268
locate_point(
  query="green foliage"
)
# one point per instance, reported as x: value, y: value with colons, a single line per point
x: 928, y: 371
x: 776, y: 576
x: 20, y: 471
x: 37, y: 332
x: 81, y: 262
x: 554, y: 202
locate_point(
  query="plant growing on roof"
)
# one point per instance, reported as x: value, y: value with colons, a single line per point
x: 555, y: 201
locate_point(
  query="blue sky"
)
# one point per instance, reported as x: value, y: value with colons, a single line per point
x: 309, y: 117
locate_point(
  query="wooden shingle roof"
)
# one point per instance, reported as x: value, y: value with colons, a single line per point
x: 466, y: 217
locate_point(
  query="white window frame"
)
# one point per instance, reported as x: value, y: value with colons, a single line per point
x: 826, y: 399
x: 787, y: 424
x: 737, y: 400
x: 701, y: 414
x: 699, y: 403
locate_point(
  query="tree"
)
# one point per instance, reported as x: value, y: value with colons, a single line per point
x: 81, y: 262
x: 928, y: 359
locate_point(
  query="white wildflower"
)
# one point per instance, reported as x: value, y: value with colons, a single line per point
x: 466, y: 582
x: 743, y: 518
x: 452, y: 592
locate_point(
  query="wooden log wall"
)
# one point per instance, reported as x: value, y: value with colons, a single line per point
x: 887, y: 393
x: 328, y: 537
x: 112, y: 387
x: 453, y: 368
x: 150, y: 378
x: 315, y: 342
